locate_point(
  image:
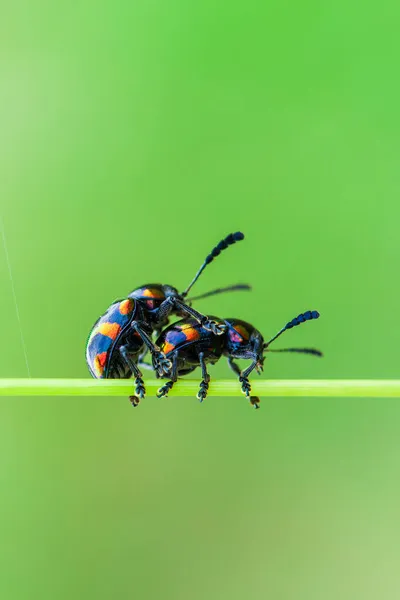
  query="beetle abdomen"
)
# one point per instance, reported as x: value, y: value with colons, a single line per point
x: 106, y: 334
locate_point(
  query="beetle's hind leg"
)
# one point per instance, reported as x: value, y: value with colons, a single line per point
x: 205, y: 382
x: 140, y: 390
x: 245, y: 383
x: 162, y: 362
x: 164, y: 389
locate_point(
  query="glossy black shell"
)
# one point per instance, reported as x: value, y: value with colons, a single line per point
x: 107, y: 334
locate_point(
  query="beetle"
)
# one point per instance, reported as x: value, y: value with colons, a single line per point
x: 189, y: 345
x: 122, y: 336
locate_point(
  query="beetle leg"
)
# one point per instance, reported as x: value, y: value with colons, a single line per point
x: 202, y: 393
x: 255, y: 401
x: 246, y: 387
x: 213, y: 326
x: 163, y: 391
x: 243, y: 378
x: 159, y: 356
x: 140, y: 390
x: 172, y: 302
x: 164, y: 310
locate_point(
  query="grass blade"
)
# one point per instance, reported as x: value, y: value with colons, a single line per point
x: 372, y: 388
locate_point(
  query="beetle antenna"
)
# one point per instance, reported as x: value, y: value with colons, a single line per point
x: 307, y: 316
x: 312, y: 351
x: 230, y: 239
x: 231, y: 288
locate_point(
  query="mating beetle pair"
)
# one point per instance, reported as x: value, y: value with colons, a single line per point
x: 120, y: 338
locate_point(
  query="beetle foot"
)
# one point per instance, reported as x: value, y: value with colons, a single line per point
x: 246, y: 387
x: 162, y: 363
x: 260, y: 366
x: 163, y: 391
x: 203, y: 391
x: 140, y: 390
x: 214, y: 327
x: 255, y: 401
x: 134, y: 400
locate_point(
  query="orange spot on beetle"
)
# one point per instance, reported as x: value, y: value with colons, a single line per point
x: 111, y: 330
x: 190, y: 333
x: 99, y: 363
x: 126, y: 306
x: 167, y: 347
x: 152, y: 293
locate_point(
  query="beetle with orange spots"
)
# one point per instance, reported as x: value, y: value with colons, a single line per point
x: 188, y: 346
x: 121, y: 337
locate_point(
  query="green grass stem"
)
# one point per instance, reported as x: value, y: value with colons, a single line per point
x: 378, y: 388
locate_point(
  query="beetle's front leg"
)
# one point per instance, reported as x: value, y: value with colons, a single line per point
x: 173, y: 303
x: 246, y: 387
x: 244, y: 381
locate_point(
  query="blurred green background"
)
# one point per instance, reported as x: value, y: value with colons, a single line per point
x: 133, y: 137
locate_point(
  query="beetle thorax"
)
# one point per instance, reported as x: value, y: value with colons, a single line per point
x: 170, y: 291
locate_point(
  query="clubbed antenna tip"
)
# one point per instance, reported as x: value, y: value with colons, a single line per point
x: 230, y: 239
x: 302, y: 318
x: 307, y: 316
